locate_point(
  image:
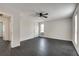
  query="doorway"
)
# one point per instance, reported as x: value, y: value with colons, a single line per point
x: 41, y: 29
x: 5, y: 35
x: 5, y: 28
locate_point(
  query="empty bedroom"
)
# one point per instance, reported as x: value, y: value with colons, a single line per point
x: 39, y: 29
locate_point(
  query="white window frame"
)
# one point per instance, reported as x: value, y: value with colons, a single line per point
x: 76, y: 29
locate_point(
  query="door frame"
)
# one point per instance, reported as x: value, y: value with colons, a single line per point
x: 7, y: 20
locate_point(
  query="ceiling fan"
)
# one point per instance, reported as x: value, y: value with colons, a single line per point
x: 43, y: 15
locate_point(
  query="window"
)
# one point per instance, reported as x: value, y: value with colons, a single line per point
x: 41, y: 27
x: 76, y: 29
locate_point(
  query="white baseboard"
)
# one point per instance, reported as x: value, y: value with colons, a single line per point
x: 59, y: 38
x: 26, y: 39
x: 15, y: 45
x: 75, y: 47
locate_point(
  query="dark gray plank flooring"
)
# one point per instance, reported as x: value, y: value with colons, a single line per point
x: 44, y: 47
x: 39, y: 47
x: 4, y: 47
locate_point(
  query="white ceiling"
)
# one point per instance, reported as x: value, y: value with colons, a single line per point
x: 54, y: 10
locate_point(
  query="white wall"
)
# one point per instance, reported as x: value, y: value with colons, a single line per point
x: 59, y: 29
x: 15, y: 31
x: 27, y: 28
x: 73, y: 27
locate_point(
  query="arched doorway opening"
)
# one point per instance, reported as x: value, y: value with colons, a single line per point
x: 5, y: 27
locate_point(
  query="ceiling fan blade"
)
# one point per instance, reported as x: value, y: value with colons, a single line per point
x: 45, y: 14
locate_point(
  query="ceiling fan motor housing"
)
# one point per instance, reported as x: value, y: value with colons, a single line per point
x: 40, y: 14
x: 43, y: 15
